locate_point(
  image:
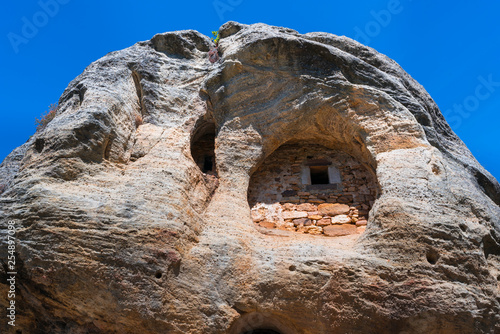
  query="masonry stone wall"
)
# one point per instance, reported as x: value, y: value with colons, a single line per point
x: 309, y: 188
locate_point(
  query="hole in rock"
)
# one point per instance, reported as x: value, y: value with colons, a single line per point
x: 158, y: 274
x: 308, y: 188
x: 491, y: 189
x: 432, y: 256
x: 292, y: 268
x: 81, y: 94
x: 208, y: 164
x: 463, y: 227
x: 490, y: 246
x: 436, y: 170
x: 259, y: 323
x: 203, y: 147
x: 39, y: 145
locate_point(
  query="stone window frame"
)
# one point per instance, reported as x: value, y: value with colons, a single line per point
x: 334, y: 176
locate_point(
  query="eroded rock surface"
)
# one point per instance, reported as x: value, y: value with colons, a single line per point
x: 128, y: 228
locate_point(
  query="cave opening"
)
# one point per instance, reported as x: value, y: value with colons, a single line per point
x: 208, y: 164
x: 261, y: 331
x: 203, y: 147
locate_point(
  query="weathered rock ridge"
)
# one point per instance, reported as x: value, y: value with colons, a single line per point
x: 120, y: 231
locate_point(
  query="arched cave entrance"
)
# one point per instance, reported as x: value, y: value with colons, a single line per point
x: 203, y: 147
x: 309, y: 188
x: 260, y: 323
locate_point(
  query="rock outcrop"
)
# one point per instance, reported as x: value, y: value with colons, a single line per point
x: 125, y: 227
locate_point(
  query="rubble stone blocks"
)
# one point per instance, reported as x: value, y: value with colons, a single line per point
x: 333, y: 209
x: 339, y: 230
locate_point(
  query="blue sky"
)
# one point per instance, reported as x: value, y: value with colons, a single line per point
x: 451, y: 47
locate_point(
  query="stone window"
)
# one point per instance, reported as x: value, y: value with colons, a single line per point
x: 319, y: 175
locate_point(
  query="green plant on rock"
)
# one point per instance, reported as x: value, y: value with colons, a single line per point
x: 215, y: 38
x: 46, y: 118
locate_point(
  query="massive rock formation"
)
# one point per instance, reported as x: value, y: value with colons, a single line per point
x: 119, y: 230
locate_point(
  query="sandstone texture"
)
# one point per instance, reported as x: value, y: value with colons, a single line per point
x: 125, y: 227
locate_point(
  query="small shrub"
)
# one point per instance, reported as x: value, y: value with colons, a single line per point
x: 138, y: 120
x: 43, y: 121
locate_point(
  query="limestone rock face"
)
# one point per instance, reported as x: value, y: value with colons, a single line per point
x: 123, y: 227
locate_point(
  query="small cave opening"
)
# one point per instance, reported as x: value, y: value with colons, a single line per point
x: 490, y: 245
x: 432, y: 256
x: 463, y: 227
x: 208, y: 164
x: 260, y: 323
x: 491, y: 189
x: 39, y: 144
x: 203, y: 147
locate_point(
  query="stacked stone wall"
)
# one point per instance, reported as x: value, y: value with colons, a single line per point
x: 281, y: 194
